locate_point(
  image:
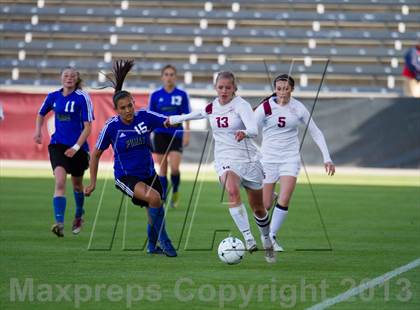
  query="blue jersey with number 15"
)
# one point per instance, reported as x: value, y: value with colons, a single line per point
x: 173, y: 103
x: 131, y: 143
x: 71, y: 112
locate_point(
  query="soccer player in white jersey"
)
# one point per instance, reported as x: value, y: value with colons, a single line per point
x: 279, y: 115
x: 236, y: 157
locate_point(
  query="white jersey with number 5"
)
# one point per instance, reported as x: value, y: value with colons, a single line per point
x: 225, y: 120
x: 280, y: 131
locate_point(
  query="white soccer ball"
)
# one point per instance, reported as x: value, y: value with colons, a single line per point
x: 231, y: 250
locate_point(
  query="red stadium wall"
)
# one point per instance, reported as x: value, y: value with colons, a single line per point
x: 20, y: 110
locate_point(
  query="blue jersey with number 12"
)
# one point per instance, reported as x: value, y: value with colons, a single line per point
x: 173, y: 103
x: 131, y: 143
x: 71, y: 112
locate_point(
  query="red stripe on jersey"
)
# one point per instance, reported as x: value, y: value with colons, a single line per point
x: 267, y: 107
x: 209, y: 108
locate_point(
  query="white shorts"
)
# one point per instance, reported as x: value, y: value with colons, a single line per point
x: 273, y: 171
x: 251, y: 174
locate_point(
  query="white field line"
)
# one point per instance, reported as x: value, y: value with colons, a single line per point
x: 362, y: 287
x: 39, y: 164
x: 98, y: 209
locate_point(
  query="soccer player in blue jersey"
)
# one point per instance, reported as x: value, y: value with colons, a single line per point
x: 129, y: 134
x: 68, y: 149
x: 168, y: 143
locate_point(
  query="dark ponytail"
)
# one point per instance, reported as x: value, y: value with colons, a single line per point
x: 263, y: 100
x: 266, y: 98
x: 120, y: 70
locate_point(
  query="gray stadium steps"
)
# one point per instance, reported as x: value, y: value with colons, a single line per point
x: 183, y: 13
x: 342, y: 2
x: 357, y: 35
x: 219, y: 32
x: 207, y: 49
x: 207, y: 68
x: 265, y: 89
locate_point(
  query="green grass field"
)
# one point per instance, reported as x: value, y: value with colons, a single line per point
x: 373, y: 224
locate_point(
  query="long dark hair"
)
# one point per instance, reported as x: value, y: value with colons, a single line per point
x: 120, y: 70
x: 265, y: 99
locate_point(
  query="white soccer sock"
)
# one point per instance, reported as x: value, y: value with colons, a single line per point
x: 240, y: 218
x: 263, y: 224
x: 277, y: 219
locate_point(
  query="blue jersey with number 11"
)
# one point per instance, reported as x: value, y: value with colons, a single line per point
x: 173, y: 103
x: 71, y: 112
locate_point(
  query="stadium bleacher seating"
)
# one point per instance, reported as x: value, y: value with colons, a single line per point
x: 364, y: 40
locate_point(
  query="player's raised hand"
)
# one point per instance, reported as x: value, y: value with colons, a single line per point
x: 240, y: 135
x: 330, y: 168
x: 89, y: 189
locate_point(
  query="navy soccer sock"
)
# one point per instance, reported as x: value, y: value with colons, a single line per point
x: 164, y: 183
x: 79, y: 198
x: 153, y: 237
x: 157, y: 215
x: 175, y: 179
x: 59, y: 204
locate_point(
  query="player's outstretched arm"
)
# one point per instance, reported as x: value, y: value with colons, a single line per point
x: 93, y: 169
x: 177, y: 119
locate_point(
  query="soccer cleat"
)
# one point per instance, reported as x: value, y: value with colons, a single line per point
x: 77, y: 225
x: 270, y: 255
x: 168, y: 249
x: 251, y: 245
x: 58, y: 229
x: 175, y: 200
x: 154, y: 250
x: 277, y: 247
